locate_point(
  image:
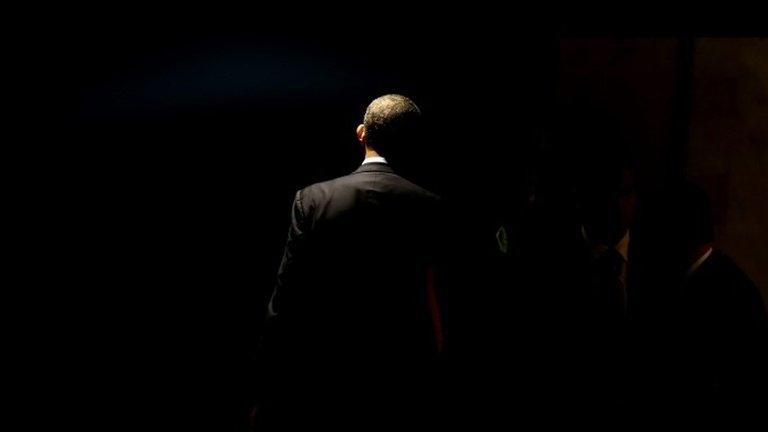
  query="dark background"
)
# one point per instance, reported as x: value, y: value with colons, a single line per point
x: 186, y: 140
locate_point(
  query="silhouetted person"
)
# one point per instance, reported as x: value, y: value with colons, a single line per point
x: 354, y: 324
x: 603, y: 268
x: 608, y: 214
x: 577, y: 275
x: 717, y: 322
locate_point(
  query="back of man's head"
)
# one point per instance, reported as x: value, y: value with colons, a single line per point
x: 391, y: 121
x: 694, y: 215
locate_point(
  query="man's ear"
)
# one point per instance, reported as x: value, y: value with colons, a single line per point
x: 361, y: 133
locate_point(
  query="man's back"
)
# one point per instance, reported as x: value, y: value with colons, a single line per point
x: 351, y: 321
x: 354, y: 275
x: 724, y: 327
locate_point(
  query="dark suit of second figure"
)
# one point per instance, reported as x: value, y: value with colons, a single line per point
x: 605, y: 283
x: 575, y: 281
x: 354, y: 316
x: 708, y: 333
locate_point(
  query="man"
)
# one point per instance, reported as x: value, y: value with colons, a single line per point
x: 604, y: 282
x: 354, y: 315
x: 608, y: 213
x: 717, y: 318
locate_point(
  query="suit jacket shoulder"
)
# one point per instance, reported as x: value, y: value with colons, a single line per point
x: 368, y: 174
x: 727, y: 287
x: 325, y: 199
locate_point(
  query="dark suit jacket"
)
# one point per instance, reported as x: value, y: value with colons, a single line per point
x: 722, y: 331
x: 351, y: 306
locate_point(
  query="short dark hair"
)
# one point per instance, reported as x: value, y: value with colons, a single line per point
x: 390, y: 120
x: 696, y: 214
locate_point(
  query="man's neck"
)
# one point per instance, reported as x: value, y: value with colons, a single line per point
x: 371, y: 153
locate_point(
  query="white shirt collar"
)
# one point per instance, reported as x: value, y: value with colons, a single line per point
x: 695, y: 266
x: 622, y: 247
x: 374, y: 159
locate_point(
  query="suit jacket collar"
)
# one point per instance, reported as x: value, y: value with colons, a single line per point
x: 706, y: 266
x: 374, y: 167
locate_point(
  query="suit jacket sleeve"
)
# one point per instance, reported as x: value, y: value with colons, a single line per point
x: 293, y: 257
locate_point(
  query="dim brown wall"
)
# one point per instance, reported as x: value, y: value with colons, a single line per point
x: 624, y: 88
x: 728, y: 149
